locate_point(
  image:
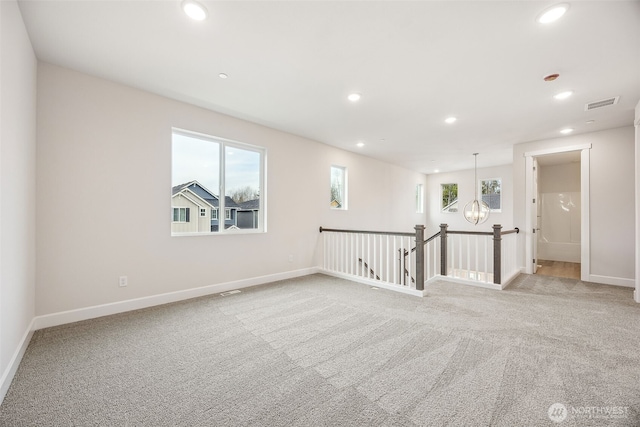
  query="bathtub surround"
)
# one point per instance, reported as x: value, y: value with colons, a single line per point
x: 559, y: 218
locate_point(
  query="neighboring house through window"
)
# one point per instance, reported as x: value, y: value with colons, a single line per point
x: 491, y: 191
x: 203, y: 167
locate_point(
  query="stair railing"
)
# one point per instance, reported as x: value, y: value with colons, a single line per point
x: 474, y: 256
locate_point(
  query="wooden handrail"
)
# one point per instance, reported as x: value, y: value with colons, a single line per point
x: 384, y: 233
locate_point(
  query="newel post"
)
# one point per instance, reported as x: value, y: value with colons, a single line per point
x: 419, y: 257
x: 497, y: 253
x: 443, y: 249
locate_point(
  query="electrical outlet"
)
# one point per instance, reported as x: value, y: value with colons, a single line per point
x: 123, y: 281
x: 290, y: 258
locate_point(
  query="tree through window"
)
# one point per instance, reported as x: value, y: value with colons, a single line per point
x: 449, y: 200
x: 338, y: 187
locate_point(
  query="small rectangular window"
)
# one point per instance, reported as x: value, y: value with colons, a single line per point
x: 419, y: 198
x: 227, y: 214
x: 214, y: 213
x: 203, y: 212
x: 449, y: 199
x: 338, y: 187
x: 180, y: 214
x: 491, y: 191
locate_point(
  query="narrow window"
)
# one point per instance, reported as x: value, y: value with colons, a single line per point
x: 338, y: 187
x: 419, y: 198
x: 491, y: 190
x: 203, y: 212
x: 214, y: 213
x: 449, y: 199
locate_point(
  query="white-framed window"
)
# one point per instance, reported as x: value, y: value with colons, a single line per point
x: 419, y: 198
x: 180, y: 214
x: 449, y: 197
x: 491, y: 193
x: 215, y: 173
x: 338, y: 188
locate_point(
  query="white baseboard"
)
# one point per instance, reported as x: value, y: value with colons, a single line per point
x: 616, y: 281
x: 64, y: 317
x: 375, y: 283
x: 10, y: 371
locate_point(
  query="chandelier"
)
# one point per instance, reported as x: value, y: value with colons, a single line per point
x: 476, y: 211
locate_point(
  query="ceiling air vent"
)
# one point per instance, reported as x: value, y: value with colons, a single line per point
x: 602, y: 103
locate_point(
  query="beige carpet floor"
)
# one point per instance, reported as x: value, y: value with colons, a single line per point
x: 321, y: 351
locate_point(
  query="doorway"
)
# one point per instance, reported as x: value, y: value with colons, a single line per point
x: 558, y: 216
x: 562, y: 231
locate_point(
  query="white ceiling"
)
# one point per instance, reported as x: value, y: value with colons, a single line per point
x: 291, y: 65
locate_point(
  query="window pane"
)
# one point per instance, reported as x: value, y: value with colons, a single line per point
x: 419, y: 199
x: 199, y: 185
x: 242, y: 183
x: 449, y: 197
x: 338, y: 187
x: 491, y: 193
x: 195, y: 181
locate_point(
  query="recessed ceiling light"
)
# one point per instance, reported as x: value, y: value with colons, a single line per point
x: 195, y: 10
x: 566, y: 131
x: 590, y: 122
x: 360, y: 144
x: 436, y: 170
x: 354, y: 97
x: 450, y: 120
x: 222, y: 75
x: 563, y: 95
x: 553, y: 13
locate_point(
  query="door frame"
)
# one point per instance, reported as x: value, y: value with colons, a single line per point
x: 585, y: 247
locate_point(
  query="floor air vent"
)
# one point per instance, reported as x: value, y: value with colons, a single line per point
x: 235, y: 291
x: 602, y: 103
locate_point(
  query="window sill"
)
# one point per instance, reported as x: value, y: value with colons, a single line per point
x: 219, y: 233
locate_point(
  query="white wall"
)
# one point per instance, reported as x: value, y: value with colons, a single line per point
x: 17, y: 189
x: 612, y: 223
x: 466, y: 193
x: 104, y: 178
